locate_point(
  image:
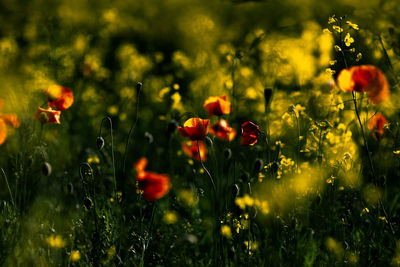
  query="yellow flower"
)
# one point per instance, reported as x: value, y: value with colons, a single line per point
x: 226, y: 231
x: 55, y: 241
x: 332, y: 19
x: 170, y: 217
x: 359, y: 57
x: 352, y: 25
x: 348, y: 40
x: 75, y: 255
x: 337, y: 29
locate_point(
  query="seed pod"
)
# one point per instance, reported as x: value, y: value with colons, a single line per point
x: 46, y: 168
x: 87, y: 203
x: 235, y: 191
x: 228, y: 153
x: 149, y: 137
x: 100, y: 142
x: 258, y: 165
x: 172, y: 127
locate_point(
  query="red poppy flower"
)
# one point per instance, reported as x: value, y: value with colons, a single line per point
x: 48, y: 115
x: 59, y: 97
x: 365, y: 78
x: 153, y: 185
x: 194, y: 128
x: 375, y: 124
x: 217, y: 105
x: 190, y: 149
x: 223, y: 130
x: 250, y: 132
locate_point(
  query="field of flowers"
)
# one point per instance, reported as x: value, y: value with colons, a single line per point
x: 199, y: 133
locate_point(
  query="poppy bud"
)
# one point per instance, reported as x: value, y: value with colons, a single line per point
x: 100, y: 142
x: 172, y: 127
x: 87, y: 203
x: 267, y: 96
x: 245, y: 177
x: 209, y: 141
x: 46, y: 169
x: 258, y: 165
x: 43, y: 118
x: 228, y: 153
x: 235, y: 191
x: 70, y: 188
x: 149, y: 137
x: 275, y: 167
x: 138, y: 87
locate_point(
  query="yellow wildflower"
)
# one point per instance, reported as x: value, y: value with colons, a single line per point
x: 348, y: 40
x: 55, y: 241
x: 352, y: 25
x: 226, y: 231
x: 75, y: 255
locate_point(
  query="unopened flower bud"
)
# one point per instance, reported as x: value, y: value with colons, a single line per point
x: 172, y: 127
x: 267, y: 96
x: 227, y: 153
x: 245, y: 177
x: 149, y: 137
x: 100, y: 142
x: 235, y: 191
x: 138, y: 87
x: 258, y: 165
x: 87, y: 203
x: 46, y: 169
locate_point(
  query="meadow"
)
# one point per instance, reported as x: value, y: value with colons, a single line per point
x: 199, y: 133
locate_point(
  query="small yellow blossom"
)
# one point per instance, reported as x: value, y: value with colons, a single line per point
x: 170, y: 217
x: 251, y: 246
x: 337, y: 28
x: 337, y: 48
x: 396, y: 152
x: 226, y: 231
x: 383, y: 218
x: 332, y: 19
x: 56, y: 241
x: 348, y: 40
x: 75, y: 255
x: 359, y: 57
x: 352, y: 25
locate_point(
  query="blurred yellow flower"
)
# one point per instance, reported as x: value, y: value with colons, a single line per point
x: 75, y: 255
x: 170, y: 217
x: 226, y: 231
x: 55, y: 241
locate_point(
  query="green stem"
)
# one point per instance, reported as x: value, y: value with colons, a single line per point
x: 146, y: 244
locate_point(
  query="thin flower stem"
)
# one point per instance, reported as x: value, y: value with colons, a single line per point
x: 208, y: 173
x: 370, y: 159
x: 139, y: 90
x: 146, y: 244
x: 8, y: 186
x: 112, y: 148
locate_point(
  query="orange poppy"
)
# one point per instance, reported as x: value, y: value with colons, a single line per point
x: 7, y: 120
x: 11, y: 120
x: 190, y: 149
x: 60, y: 97
x: 250, y: 133
x: 153, y: 185
x: 217, y: 105
x: 48, y: 115
x: 223, y: 130
x: 194, y: 128
x: 375, y: 124
x: 3, y: 131
x: 365, y: 78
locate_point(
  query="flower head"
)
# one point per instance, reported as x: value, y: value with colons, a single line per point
x: 59, y: 97
x: 250, y: 132
x: 223, y: 130
x: 153, y: 185
x: 365, y: 78
x: 190, y: 149
x: 7, y: 120
x: 194, y: 128
x: 48, y: 115
x: 217, y: 105
x: 375, y: 124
